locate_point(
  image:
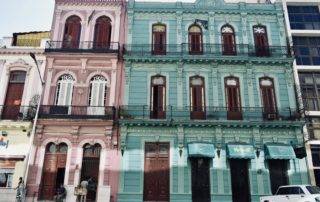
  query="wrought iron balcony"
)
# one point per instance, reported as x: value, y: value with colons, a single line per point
x: 77, y: 112
x: 207, y: 113
x: 206, y: 50
x: 17, y: 112
x: 86, y: 46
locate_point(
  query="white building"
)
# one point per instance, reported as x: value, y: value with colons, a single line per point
x: 19, y: 93
x: 303, y: 29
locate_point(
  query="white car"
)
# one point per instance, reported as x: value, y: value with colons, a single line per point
x: 294, y: 193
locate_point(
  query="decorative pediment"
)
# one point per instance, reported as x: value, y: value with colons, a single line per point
x: 19, y: 64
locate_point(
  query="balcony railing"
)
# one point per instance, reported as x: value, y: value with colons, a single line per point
x: 207, y: 50
x: 77, y: 112
x: 16, y: 112
x: 86, y: 46
x: 207, y: 113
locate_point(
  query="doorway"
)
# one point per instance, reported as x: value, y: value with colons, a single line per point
x: 200, y: 169
x: 53, y: 170
x: 156, y: 172
x: 240, y: 180
x: 90, y: 169
x: 278, y: 170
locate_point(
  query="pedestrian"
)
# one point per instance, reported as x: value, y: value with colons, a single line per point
x: 20, y: 190
x: 61, y: 194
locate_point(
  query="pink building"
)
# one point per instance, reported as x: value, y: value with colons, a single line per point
x: 76, y: 138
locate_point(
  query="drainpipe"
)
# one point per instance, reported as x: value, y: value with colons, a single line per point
x: 32, y: 55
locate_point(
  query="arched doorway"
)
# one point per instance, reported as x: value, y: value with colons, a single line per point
x: 72, y: 31
x: 102, y: 32
x: 90, y: 169
x: 53, y: 169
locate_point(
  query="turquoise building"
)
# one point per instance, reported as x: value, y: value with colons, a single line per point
x: 210, y: 110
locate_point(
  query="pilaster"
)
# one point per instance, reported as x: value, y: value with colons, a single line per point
x: 179, y: 84
x: 250, y: 77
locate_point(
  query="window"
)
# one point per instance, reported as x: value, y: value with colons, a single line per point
x: 98, y: 91
x: 72, y: 31
x: 6, y: 175
x: 307, y: 50
x: 233, y: 100
x: 278, y: 170
x: 228, y: 40
x: 158, y: 97
x: 310, y: 90
x: 102, y: 32
x: 195, y: 39
x: 313, y: 189
x: 197, y: 97
x: 315, y: 153
x: 261, y: 40
x: 290, y: 191
x: 268, y: 98
x: 64, y: 90
x: 304, y: 17
x: 159, y: 39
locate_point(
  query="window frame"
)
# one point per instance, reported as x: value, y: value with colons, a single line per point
x: 158, y: 114
x: 195, y: 48
x: 159, y: 49
x: 228, y: 49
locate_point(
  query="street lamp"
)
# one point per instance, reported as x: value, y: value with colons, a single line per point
x: 29, y: 156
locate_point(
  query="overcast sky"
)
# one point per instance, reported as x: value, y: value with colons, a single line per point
x: 25, y: 15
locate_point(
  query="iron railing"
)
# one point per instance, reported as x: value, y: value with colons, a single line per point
x: 17, y: 112
x: 78, y: 112
x: 84, y: 46
x: 208, y: 113
x: 207, y: 50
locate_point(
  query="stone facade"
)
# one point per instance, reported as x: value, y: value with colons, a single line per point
x: 89, y: 120
x: 178, y: 65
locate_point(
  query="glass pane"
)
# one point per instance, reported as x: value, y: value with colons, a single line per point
x: 315, y: 152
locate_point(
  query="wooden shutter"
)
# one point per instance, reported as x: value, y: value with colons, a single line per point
x: 102, y: 33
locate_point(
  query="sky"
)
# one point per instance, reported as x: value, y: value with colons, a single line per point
x: 25, y: 15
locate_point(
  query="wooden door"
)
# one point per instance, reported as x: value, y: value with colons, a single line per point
x: 49, y: 176
x: 71, y: 38
x: 268, y: 99
x: 261, y: 41
x: 159, y: 39
x: 197, y: 98
x: 200, y: 169
x: 102, y: 33
x: 156, y: 172
x: 278, y: 170
x: 14, y: 94
x: 233, y: 98
x: 195, y: 43
x: 240, y: 180
x: 158, y: 111
x: 228, y: 47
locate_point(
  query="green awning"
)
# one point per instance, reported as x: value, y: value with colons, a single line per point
x: 240, y: 151
x: 201, y: 150
x: 279, y: 151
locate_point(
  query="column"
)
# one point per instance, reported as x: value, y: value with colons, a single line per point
x: 250, y: 77
x: 214, y: 78
x: 117, y: 26
x: 179, y: 85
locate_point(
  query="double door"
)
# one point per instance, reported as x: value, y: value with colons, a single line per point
x: 53, y: 175
x: 156, y: 172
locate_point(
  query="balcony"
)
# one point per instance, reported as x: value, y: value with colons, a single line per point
x: 187, y: 113
x: 77, y: 112
x: 79, y: 47
x: 206, y: 50
x: 17, y: 113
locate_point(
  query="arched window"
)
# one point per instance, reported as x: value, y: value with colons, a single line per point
x: 197, y: 97
x: 233, y: 99
x: 228, y: 40
x: 90, y: 169
x: 98, y: 91
x: 102, y: 32
x: 268, y: 98
x: 261, y: 40
x: 11, y: 109
x: 159, y: 33
x: 53, y: 169
x: 72, y: 31
x: 195, y: 39
x: 158, y: 97
x: 64, y: 90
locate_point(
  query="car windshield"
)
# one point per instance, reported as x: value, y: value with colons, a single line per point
x: 289, y: 191
x: 313, y: 189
